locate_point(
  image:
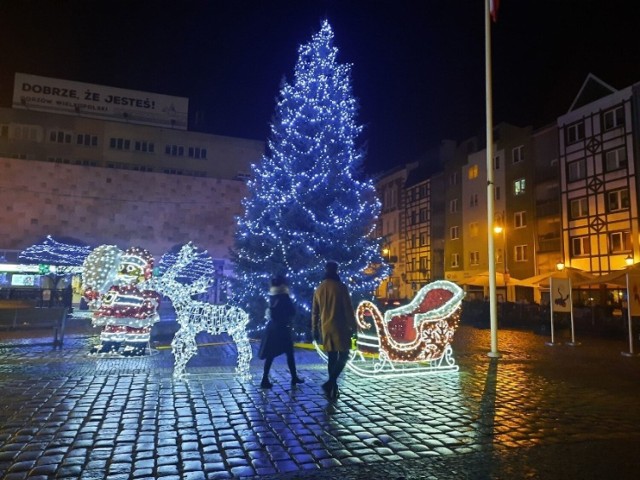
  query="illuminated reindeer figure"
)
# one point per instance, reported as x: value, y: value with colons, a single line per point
x: 194, y: 316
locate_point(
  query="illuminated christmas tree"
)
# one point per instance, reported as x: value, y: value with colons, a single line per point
x: 305, y: 204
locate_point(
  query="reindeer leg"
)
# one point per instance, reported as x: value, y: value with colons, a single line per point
x: 183, y: 347
x: 240, y: 338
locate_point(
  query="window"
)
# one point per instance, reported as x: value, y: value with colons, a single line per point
x: 454, y: 233
x: 142, y: 146
x: 473, y: 172
x: 174, y: 150
x: 615, y: 159
x: 197, y: 152
x: 520, y: 253
x: 453, y: 178
x: 517, y: 154
x: 496, y: 162
x: 87, y: 140
x: 618, y: 200
x: 519, y: 186
x: 613, y: 118
x: 574, y: 133
x: 453, y: 205
x: 499, y: 255
x: 576, y: 170
x: 424, y: 239
x: 520, y: 219
x: 580, y: 246
x: 474, y: 229
x: 497, y: 193
x: 619, y: 242
x: 424, y: 264
x: 455, y: 260
x: 474, y: 258
x: 119, y: 143
x: 59, y: 136
x: 579, y: 208
x: 473, y: 200
x: 424, y: 214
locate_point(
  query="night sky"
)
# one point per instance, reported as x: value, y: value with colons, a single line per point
x: 418, y: 65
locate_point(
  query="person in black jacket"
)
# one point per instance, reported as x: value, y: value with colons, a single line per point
x: 277, y: 338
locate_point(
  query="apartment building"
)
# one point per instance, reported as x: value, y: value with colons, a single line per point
x: 598, y: 142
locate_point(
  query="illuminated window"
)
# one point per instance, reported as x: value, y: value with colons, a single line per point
x: 519, y: 186
x: 619, y: 242
x: 473, y: 172
x: 615, y: 159
x: 579, y: 207
x: 613, y: 118
x: 520, y: 219
x: 517, y: 154
x: 455, y: 260
x: 474, y: 258
x: 618, y: 200
x: 520, y: 253
x: 576, y: 170
x: 454, y: 233
x: 580, y: 246
x: 574, y: 133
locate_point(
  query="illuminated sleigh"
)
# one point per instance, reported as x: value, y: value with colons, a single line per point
x: 413, y: 339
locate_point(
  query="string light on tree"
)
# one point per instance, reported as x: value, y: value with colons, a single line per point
x: 305, y: 204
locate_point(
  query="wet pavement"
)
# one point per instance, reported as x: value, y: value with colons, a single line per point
x: 536, y: 412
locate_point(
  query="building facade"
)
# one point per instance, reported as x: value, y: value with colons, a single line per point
x: 112, y: 166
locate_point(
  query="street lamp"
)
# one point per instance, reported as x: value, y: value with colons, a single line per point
x: 500, y: 227
x: 629, y: 260
x: 560, y: 265
x: 386, y: 253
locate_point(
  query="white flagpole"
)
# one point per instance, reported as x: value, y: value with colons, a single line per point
x: 493, y: 311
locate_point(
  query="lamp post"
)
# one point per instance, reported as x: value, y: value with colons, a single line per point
x: 386, y: 253
x: 500, y: 227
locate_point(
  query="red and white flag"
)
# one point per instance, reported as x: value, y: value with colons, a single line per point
x: 493, y: 9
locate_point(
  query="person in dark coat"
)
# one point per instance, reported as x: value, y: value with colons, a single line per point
x: 277, y: 338
x: 333, y: 319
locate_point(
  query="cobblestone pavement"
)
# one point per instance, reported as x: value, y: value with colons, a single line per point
x: 536, y: 412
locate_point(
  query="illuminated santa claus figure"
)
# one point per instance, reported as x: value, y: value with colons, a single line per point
x: 126, y: 312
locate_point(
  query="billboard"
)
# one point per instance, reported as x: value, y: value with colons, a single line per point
x: 53, y: 95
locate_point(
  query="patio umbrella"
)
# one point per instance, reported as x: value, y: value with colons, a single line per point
x: 576, y: 276
x: 482, y: 280
x: 617, y: 278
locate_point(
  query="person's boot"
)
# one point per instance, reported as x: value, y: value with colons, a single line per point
x: 266, y: 383
x: 295, y: 379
